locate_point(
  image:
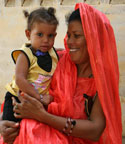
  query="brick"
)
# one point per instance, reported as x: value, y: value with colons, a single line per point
x: 117, y: 1
x: 122, y: 90
x: 1, y: 3
x: 49, y: 3
x: 122, y: 80
x: 70, y: 2
x: 26, y: 3
x: 18, y: 2
x: 123, y: 107
x: 104, y: 1
x: 122, y: 99
x: 33, y: 3
x: 111, y: 10
x: 123, y: 125
x: 122, y: 65
x: 9, y: 3
x: 123, y: 140
x: 121, y: 50
x: 93, y: 2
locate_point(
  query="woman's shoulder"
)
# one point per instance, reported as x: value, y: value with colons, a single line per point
x: 60, y: 52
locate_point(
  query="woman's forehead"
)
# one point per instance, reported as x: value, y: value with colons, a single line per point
x: 75, y: 26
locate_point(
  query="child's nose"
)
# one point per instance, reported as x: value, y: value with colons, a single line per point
x: 45, y: 39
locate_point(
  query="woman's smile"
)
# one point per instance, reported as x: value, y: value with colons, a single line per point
x: 76, y: 43
x: 73, y: 49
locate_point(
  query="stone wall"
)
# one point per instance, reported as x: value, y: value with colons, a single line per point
x: 13, y: 24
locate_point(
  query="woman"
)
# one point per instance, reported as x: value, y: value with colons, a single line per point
x: 87, y: 69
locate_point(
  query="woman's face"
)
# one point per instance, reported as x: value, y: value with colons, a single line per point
x: 76, y: 43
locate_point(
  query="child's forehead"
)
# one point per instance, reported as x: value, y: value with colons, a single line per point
x: 44, y: 27
x: 43, y: 24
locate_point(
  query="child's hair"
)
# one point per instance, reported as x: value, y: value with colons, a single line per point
x: 74, y: 16
x: 41, y: 15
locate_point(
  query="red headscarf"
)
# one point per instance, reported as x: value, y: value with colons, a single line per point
x: 104, y: 62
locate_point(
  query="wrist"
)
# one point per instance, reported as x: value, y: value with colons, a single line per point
x: 43, y: 116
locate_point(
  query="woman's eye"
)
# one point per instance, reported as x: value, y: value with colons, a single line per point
x: 77, y: 36
x: 68, y: 35
x: 40, y: 34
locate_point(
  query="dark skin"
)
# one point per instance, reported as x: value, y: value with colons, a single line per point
x: 9, y: 130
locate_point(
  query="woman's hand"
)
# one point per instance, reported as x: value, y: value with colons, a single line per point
x: 9, y: 131
x: 46, y: 99
x: 28, y: 108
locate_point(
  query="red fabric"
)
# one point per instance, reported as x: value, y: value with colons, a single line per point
x: 33, y: 132
x: 2, y: 105
x: 104, y: 61
x: 103, y: 57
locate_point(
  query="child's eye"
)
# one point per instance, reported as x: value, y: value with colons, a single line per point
x: 40, y: 34
x: 51, y: 35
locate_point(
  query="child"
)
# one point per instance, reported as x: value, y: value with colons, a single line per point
x: 35, y: 61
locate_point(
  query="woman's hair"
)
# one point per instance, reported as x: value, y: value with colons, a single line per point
x: 74, y: 16
x: 41, y: 15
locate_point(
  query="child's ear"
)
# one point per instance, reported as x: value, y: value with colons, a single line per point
x: 27, y: 32
x: 55, y: 35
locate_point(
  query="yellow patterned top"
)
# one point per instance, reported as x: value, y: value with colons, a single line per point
x: 38, y: 77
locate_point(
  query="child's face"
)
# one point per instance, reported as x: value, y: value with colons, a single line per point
x: 42, y: 36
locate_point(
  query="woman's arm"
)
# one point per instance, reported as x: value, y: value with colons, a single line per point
x: 87, y: 129
x: 8, y: 130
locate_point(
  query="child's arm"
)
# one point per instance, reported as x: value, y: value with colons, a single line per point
x: 21, y: 76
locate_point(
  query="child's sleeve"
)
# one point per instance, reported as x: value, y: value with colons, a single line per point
x: 27, y: 52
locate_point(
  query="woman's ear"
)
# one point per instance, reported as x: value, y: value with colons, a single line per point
x: 27, y: 32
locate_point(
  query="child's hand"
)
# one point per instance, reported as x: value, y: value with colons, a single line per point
x: 35, y: 96
x: 46, y: 99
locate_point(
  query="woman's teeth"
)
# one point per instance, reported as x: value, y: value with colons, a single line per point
x: 73, y: 50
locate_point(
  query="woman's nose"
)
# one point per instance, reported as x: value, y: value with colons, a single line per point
x: 70, y: 40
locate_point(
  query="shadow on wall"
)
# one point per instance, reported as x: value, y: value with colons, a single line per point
x: 25, y: 3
